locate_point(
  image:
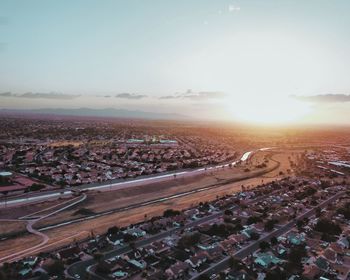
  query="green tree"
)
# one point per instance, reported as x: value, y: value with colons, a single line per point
x: 295, y: 256
x: 327, y: 226
x: 204, y: 277
x: 170, y: 213
x: 98, y: 257
x: 270, y: 224
x: 300, y: 224
x: 263, y: 245
x: 254, y: 236
x: 274, y: 240
x: 235, y: 263
x: 56, y: 268
x: 113, y: 230
x: 189, y: 240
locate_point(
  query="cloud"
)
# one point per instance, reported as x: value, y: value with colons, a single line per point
x: 205, y: 95
x: 233, y: 8
x: 324, y: 98
x: 201, y: 95
x: 130, y: 96
x: 6, y: 94
x: 169, y: 97
x: 61, y: 96
x: 50, y: 95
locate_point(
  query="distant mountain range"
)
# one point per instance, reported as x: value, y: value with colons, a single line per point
x: 88, y: 112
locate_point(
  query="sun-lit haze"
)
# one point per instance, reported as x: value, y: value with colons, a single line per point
x: 252, y: 61
x: 174, y: 139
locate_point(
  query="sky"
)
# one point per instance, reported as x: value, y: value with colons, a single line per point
x: 255, y: 61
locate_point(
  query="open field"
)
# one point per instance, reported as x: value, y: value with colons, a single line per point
x: 18, y: 244
x: 17, y: 212
x: 10, y: 227
x: 103, y: 201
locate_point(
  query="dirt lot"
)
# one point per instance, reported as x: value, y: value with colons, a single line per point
x: 108, y: 200
x: 16, y: 212
x: 11, y: 227
x: 103, y: 201
x: 18, y: 244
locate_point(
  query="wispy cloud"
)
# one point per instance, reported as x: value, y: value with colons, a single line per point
x: 324, y: 98
x: 233, y: 8
x: 130, y: 96
x: 169, y: 97
x: 6, y: 94
x: 206, y: 95
x: 201, y: 95
x: 34, y: 95
x: 50, y: 95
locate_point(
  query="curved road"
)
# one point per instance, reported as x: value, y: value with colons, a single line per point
x: 30, y: 223
x: 31, y: 220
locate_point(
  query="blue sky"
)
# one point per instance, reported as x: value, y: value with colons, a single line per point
x: 240, y: 50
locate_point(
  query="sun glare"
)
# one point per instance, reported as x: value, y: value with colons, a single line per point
x: 271, y: 111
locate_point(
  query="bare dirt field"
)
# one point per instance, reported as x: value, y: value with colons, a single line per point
x: 7, y: 227
x: 107, y: 200
x: 14, y: 245
x: 16, y: 212
x: 104, y: 201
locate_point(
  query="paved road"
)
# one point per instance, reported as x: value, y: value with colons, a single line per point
x: 32, y: 198
x: 246, y: 251
x: 30, y: 220
x: 81, y: 267
x: 162, y: 199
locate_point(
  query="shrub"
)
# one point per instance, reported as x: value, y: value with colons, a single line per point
x: 170, y: 213
x: 84, y: 211
x: 189, y: 240
x: 327, y: 226
x: 254, y: 236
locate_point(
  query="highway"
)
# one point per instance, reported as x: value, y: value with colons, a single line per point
x: 34, y: 217
x: 155, y: 201
x: 41, y: 196
x: 33, y: 198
